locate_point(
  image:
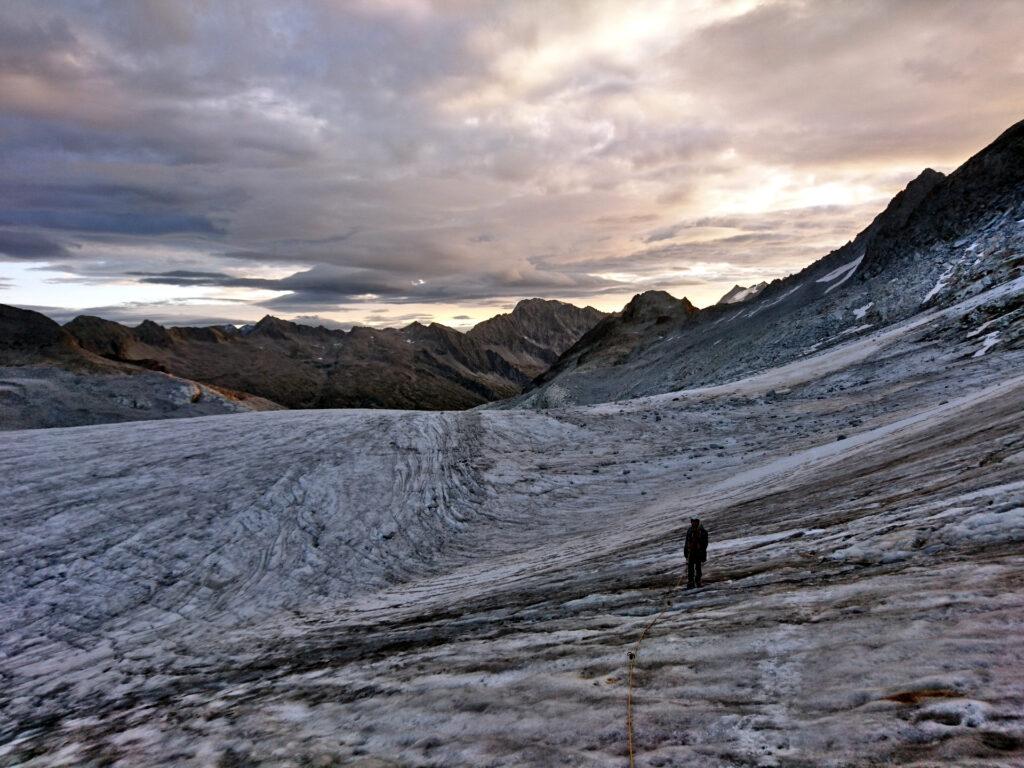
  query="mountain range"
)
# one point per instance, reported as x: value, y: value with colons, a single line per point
x: 273, y: 363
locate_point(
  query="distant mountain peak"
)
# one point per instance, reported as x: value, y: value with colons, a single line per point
x: 274, y: 327
x: 153, y: 333
x: 927, y: 176
x: 534, y: 302
x: 536, y: 332
x: 524, y: 305
x: 739, y: 293
x: 652, y: 305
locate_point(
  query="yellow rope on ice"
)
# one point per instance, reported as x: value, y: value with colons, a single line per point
x: 631, y: 655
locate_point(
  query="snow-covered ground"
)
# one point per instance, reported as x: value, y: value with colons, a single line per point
x: 384, y: 588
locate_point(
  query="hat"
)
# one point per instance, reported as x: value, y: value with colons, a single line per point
x: 694, y: 519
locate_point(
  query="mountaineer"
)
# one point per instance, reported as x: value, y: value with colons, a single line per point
x: 695, y: 550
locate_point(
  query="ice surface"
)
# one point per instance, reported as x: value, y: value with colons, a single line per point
x: 385, y: 588
x: 859, y: 312
x: 842, y: 272
x: 940, y: 284
x: 990, y: 340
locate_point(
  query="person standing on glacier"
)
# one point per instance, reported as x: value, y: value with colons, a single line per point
x: 695, y: 550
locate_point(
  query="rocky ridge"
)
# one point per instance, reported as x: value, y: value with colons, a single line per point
x: 429, y: 367
x: 940, y: 240
x: 49, y: 379
x: 535, y: 333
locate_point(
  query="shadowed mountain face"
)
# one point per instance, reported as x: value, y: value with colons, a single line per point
x: 419, y: 367
x: 940, y: 240
x: 616, y: 337
x: 27, y: 337
x: 535, y: 333
x: 49, y: 379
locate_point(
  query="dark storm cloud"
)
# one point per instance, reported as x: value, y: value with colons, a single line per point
x: 119, y: 197
x: 133, y: 313
x: 111, y: 223
x: 316, y: 320
x: 107, y: 209
x: 326, y: 287
x: 461, y: 152
x: 28, y: 246
x: 181, y: 277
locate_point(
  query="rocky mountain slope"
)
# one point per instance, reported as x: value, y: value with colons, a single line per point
x: 28, y: 337
x: 616, y: 337
x: 48, y: 379
x: 300, y: 366
x: 419, y: 366
x: 535, y: 333
x: 274, y: 363
x: 938, y: 241
x: 387, y: 588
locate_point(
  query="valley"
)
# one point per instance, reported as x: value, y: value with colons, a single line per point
x: 287, y: 588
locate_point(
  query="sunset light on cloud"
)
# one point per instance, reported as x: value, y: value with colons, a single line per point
x: 375, y: 162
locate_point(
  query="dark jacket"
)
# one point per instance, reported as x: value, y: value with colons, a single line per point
x: 697, y: 543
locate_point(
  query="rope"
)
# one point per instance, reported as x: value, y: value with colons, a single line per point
x: 631, y: 655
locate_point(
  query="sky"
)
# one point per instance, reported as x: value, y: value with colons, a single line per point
x: 382, y: 161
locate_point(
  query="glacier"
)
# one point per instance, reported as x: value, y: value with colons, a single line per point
x: 392, y: 588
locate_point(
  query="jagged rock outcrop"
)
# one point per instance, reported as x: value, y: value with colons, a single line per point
x: 989, y: 184
x: 534, y: 334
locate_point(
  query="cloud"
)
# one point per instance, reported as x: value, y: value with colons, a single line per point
x: 29, y: 246
x: 854, y: 82
x: 114, y: 223
x: 461, y: 153
x: 373, y: 319
x: 316, y: 321
x: 326, y: 287
x: 131, y: 314
x: 183, y: 275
